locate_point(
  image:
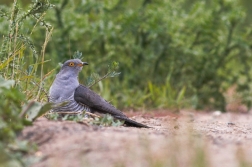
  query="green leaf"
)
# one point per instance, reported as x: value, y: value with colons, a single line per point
x: 6, y: 83
x: 77, y: 55
x: 34, y: 110
x: 181, y: 94
x: 114, y: 74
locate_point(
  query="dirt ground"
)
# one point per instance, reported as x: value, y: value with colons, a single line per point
x: 184, y: 140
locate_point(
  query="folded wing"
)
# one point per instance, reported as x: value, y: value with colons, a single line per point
x: 89, y: 98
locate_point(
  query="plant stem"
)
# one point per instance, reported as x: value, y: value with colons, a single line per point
x: 105, y: 76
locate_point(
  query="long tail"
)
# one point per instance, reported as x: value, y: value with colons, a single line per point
x: 132, y: 123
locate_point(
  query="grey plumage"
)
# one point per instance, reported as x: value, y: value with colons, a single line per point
x: 63, y: 88
x: 66, y: 88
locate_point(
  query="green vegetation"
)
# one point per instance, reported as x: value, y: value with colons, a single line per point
x: 13, y: 111
x: 171, y: 54
x: 201, y: 47
x: 85, y: 118
x: 20, y: 82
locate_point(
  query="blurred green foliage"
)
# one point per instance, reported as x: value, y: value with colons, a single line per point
x: 13, y: 113
x: 200, y: 46
x: 18, y: 78
x: 194, y: 51
x: 10, y: 106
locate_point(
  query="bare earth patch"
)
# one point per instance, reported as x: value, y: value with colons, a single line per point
x: 187, y: 139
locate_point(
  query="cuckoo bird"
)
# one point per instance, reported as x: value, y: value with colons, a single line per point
x: 79, y: 98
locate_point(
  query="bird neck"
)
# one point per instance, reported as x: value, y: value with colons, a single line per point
x: 66, y: 78
x: 63, y: 86
x: 67, y: 75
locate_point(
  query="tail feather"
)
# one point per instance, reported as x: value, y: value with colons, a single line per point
x: 130, y: 122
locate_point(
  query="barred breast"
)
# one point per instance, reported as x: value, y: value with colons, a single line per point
x: 72, y: 106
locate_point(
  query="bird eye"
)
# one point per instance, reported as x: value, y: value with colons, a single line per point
x: 71, y: 64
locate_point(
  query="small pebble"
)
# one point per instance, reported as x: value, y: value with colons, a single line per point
x: 176, y: 127
x: 216, y: 113
x: 230, y: 124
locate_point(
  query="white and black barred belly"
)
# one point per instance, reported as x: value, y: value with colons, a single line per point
x: 72, y: 106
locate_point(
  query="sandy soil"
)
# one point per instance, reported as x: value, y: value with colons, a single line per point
x: 187, y: 139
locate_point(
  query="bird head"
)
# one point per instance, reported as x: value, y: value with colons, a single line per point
x: 73, y: 65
